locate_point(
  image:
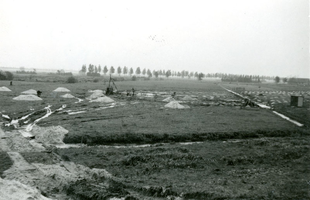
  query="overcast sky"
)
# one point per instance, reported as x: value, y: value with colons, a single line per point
x: 261, y: 37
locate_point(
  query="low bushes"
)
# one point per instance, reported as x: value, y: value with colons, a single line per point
x: 6, y: 75
x: 72, y: 79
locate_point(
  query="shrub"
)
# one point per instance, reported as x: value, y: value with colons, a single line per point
x: 96, y: 80
x: 72, y: 80
x: 9, y: 75
x: 133, y: 78
x: 6, y: 75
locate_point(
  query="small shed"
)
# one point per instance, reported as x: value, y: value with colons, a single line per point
x: 297, y: 100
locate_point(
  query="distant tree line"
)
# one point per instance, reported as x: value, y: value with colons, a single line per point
x: 62, y: 72
x: 6, y: 75
x: 23, y: 71
x: 93, y: 70
x: 240, y: 78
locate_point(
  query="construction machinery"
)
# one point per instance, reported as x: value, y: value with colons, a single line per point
x: 110, y: 89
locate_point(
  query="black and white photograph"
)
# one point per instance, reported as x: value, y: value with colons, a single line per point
x: 154, y: 100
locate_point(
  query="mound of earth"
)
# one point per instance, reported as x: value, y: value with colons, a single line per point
x: 175, y: 105
x: 67, y: 96
x: 104, y: 99
x: 50, y: 178
x: 28, y: 97
x: 5, y: 89
x: 61, y: 89
x: 49, y: 135
x: 96, y: 91
x: 31, y: 91
x: 14, y: 141
x: 14, y: 190
x: 169, y: 99
x: 96, y: 94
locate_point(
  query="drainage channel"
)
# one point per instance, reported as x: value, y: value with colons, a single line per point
x: 265, y: 107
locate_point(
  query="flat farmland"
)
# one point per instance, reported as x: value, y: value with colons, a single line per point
x: 213, y: 149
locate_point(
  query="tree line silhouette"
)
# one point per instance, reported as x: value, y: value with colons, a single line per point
x: 93, y: 70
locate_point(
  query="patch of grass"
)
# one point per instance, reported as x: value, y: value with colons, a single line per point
x: 262, y: 168
x: 83, y: 189
x: 148, y: 123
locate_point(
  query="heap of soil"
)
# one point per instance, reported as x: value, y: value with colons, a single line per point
x: 96, y: 91
x: 104, y: 99
x: 14, y: 190
x: 49, y: 135
x: 169, y: 99
x: 16, y: 142
x: 31, y: 91
x: 61, y: 89
x: 175, y: 105
x: 5, y: 89
x: 50, y: 178
x: 96, y: 94
x: 28, y: 97
x: 67, y: 96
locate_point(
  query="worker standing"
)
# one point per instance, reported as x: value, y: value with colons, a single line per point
x: 133, y: 91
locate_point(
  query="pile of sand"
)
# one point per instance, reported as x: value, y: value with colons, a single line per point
x: 14, y: 190
x: 49, y: 135
x: 67, y: 96
x: 31, y: 91
x: 103, y: 99
x: 5, y: 89
x: 28, y: 97
x: 61, y: 89
x: 175, y: 105
x: 169, y: 99
x: 96, y: 91
x: 96, y: 94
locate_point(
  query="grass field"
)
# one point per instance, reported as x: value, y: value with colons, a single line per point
x: 264, y: 168
x: 247, y: 153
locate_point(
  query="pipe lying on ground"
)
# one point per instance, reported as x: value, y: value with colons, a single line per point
x: 288, y: 119
x: 266, y: 107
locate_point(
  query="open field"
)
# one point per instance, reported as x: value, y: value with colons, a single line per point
x: 264, y: 168
x: 238, y: 153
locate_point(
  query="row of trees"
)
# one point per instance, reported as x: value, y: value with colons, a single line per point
x: 23, y: 71
x: 236, y: 76
x: 240, y: 78
x: 293, y: 80
x: 93, y: 70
